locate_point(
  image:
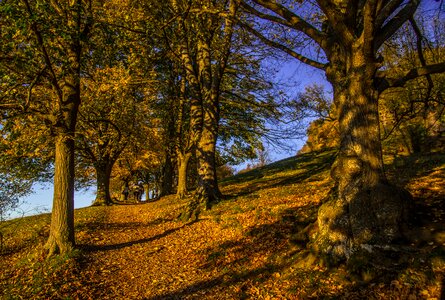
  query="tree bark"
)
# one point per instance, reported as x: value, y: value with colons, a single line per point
x: 147, y: 191
x: 363, y: 209
x: 208, y: 191
x: 183, y: 162
x: 61, y: 238
x: 167, y: 176
x: 103, y: 173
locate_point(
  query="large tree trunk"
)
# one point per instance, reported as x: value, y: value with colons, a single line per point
x: 183, y: 162
x: 364, y: 209
x: 103, y: 173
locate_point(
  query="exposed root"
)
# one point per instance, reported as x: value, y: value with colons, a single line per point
x: 55, y: 247
x: 375, y: 216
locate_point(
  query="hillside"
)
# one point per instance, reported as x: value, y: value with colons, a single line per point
x: 246, y: 247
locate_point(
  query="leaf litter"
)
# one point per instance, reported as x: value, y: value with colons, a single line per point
x: 245, y: 247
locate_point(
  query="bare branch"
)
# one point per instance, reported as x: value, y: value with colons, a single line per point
x: 289, y: 51
x: 264, y: 16
x: 395, y: 23
x: 420, y: 54
x: 387, y: 10
x: 386, y: 83
x: 295, y: 21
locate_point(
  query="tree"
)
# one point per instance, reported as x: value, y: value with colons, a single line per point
x: 412, y: 116
x: 140, y: 161
x: 114, y: 107
x: 45, y: 48
x: 364, y: 209
x: 322, y: 132
x: 204, y: 43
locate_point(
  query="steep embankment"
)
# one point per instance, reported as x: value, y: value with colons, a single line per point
x: 247, y: 246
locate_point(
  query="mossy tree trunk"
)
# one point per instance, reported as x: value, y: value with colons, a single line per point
x: 363, y: 209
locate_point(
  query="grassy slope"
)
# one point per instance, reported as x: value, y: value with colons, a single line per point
x: 247, y: 246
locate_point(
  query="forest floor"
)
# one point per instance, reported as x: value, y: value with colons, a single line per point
x: 245, y: 247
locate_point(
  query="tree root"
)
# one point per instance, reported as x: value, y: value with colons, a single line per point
x: 55, y: 247
x: 375, y: 216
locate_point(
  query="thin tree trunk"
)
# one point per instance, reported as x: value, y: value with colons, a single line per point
x: 183, y: 162
x: 147, y: 191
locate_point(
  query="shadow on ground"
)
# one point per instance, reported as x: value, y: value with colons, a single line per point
x: 110, y: 227
x: 407, y: 270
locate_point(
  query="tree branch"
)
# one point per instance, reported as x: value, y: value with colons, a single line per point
x: 386, y: 12
x: 293, y: 20
x: 281, y: 47
x: 420, y: 54
x: 46, y: 57
x: 395, y: 23
x: 264, y: 16
x: 337, y: 19
x: 31, y: 86
x: 386, y: 83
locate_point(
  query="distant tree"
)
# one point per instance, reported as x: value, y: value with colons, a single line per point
x: 225, y: 171
x: 115, y: 107
x: 322, y: 132
x: 140, y: 161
